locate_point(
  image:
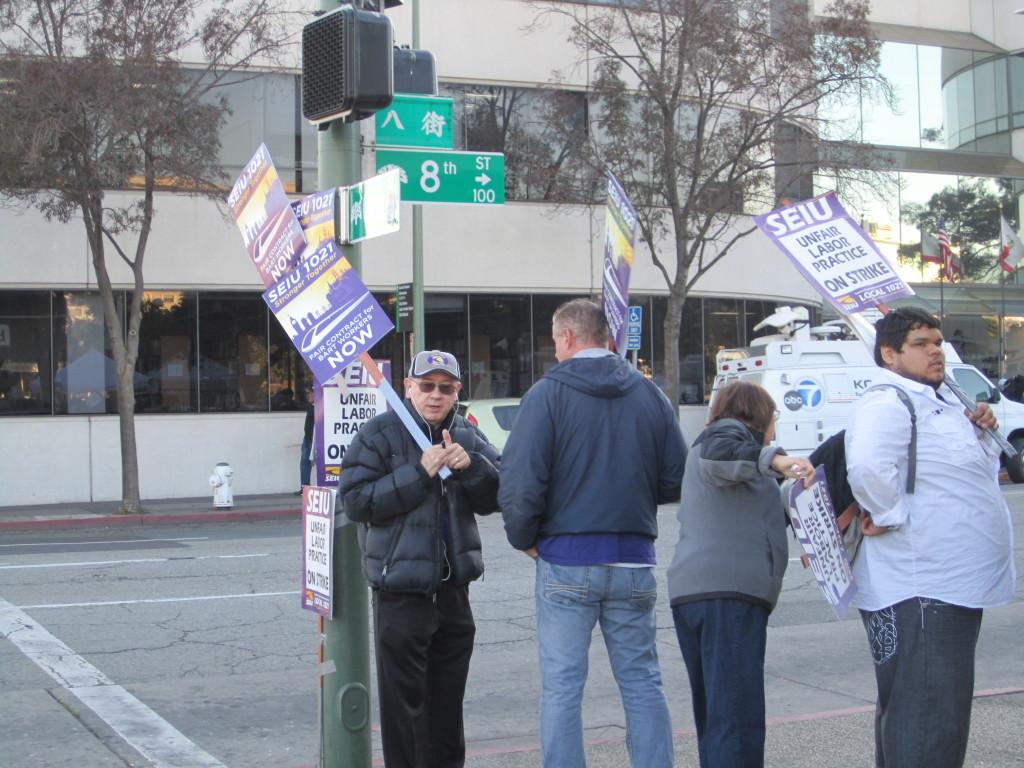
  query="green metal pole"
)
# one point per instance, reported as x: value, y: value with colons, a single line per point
x: 345, y: 706
x: 419, y: 326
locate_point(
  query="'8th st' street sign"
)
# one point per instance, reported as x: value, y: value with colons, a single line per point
x: 438, y: 176
x: 416, y: 121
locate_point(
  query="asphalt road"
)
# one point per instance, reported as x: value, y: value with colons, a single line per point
x: 187, y: 644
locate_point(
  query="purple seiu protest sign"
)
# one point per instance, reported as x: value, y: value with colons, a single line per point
x: 317, y: 549
x: 342, y: 408
x: 329, y: 314
x: 834, y: 253
x: 619, y: 234
x: 814, y: 523
x: 270, y: 230
x: 315, y: 214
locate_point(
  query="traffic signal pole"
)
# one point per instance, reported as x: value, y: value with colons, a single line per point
x: 345, y: 668
x: 419, y: 326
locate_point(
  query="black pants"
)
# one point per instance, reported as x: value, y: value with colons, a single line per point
x: 924, y: 665
x: 423, y: 644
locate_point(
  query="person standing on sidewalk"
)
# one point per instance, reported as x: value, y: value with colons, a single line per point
x: 594, y: 449
x: 932, y: 558
x: 421, y: 549
x: 306, y: 451
x: 727, y: 570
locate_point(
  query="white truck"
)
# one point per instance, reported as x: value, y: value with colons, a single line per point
x: 816, y: 374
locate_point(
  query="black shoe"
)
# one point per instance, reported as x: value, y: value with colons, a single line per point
x: 298, y: 492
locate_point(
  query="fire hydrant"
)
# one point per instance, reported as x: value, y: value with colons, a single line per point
x: 220, y: 481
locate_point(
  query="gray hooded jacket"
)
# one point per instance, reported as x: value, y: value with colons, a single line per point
x: 732, y: 525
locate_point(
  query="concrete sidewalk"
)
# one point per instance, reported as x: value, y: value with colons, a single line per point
x: 155, y: 512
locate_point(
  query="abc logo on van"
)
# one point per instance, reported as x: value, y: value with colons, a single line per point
x: 807, y: 394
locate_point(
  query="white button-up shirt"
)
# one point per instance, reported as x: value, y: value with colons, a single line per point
x: 952, y: 539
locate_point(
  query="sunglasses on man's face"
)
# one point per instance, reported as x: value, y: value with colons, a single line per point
x: 426, y: 387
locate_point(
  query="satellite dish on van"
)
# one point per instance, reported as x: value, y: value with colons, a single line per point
x: 785, y: 319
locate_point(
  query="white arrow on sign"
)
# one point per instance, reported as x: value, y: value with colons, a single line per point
x: 483, y: 178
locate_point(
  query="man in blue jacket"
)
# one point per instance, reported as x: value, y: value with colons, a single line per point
x: 594, y: 449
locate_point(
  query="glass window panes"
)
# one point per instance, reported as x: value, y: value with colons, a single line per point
x: 448, y: 328
x: 499, y: 346
x: 85, y: 379
x: 943, y: 98
x: 899, y: 126
x: 544, y: 306
x: 167, y: 353
x: 232, y: 352
x: 25, y: 379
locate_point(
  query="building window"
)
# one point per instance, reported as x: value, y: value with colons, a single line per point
x: 944, y: 98
x: 25, y: 378
x: 544, y: 306
x: 85, y: 380
x: 232, y: 352
x: 167, y: 353
x: 447, y: 328
x: 541, y: 131
x: 267, y: 109
x: 499, y: 346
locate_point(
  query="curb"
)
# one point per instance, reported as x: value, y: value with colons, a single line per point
x: 118, y: 521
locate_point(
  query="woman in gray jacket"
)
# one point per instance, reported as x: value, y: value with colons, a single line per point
x: 727, y: 570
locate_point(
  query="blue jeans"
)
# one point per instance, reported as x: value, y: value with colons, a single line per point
x: 305, y: 462
x: 924, y: 667
x: 723, y: 644
x: 570, y: 601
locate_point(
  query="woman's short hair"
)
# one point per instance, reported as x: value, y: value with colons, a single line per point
x: 747, y: 402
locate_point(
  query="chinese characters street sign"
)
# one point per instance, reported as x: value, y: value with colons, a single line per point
x: 416, y: 121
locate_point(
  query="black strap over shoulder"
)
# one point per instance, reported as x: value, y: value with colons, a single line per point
x: 912, y: 453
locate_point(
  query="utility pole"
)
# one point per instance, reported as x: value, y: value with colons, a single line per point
x: 345, y: 667
x: 419, y: 326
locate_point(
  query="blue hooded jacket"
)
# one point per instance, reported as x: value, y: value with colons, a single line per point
x: 594, y: 449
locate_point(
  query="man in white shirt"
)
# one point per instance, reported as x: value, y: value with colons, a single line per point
x: 932, y: 558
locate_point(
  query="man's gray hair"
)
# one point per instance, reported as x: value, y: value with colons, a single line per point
x: 585, y: 319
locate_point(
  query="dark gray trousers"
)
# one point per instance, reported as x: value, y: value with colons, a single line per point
x: 923, y: 651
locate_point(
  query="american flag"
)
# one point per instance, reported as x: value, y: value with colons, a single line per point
x: 950, y: 263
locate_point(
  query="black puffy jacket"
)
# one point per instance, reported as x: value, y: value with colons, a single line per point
x: 384, y: 486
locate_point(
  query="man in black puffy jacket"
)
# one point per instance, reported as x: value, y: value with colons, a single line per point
x: 421, y: 548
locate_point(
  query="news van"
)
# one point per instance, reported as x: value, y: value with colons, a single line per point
x: 815, y: 375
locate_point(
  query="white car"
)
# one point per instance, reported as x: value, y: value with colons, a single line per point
x: 492, y: 417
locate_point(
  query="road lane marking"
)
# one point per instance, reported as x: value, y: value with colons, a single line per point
x: 109, y: 541
x: 140, y: 601
x: 142, y: 728
x: 133, y: 561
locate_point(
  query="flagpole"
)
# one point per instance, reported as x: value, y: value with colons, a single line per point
x: 1002, y: 323
x: 942, y: 300
x: 1002, y: 300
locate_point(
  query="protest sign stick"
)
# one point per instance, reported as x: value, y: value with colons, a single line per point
x: 866, y: 333
x: 396, y: 402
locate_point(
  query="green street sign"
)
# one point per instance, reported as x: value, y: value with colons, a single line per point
x: 416, y: 121
x: 447, y: 177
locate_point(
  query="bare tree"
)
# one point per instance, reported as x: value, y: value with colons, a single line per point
x: 95, y: 97
x: 708, y: 110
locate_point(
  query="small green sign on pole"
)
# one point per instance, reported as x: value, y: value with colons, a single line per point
x: 436, y: 176
x: 403, y: 305
x: 416, y: 121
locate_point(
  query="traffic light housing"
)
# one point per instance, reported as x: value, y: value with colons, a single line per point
x: 347, y: 67
x: 415, y: 71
